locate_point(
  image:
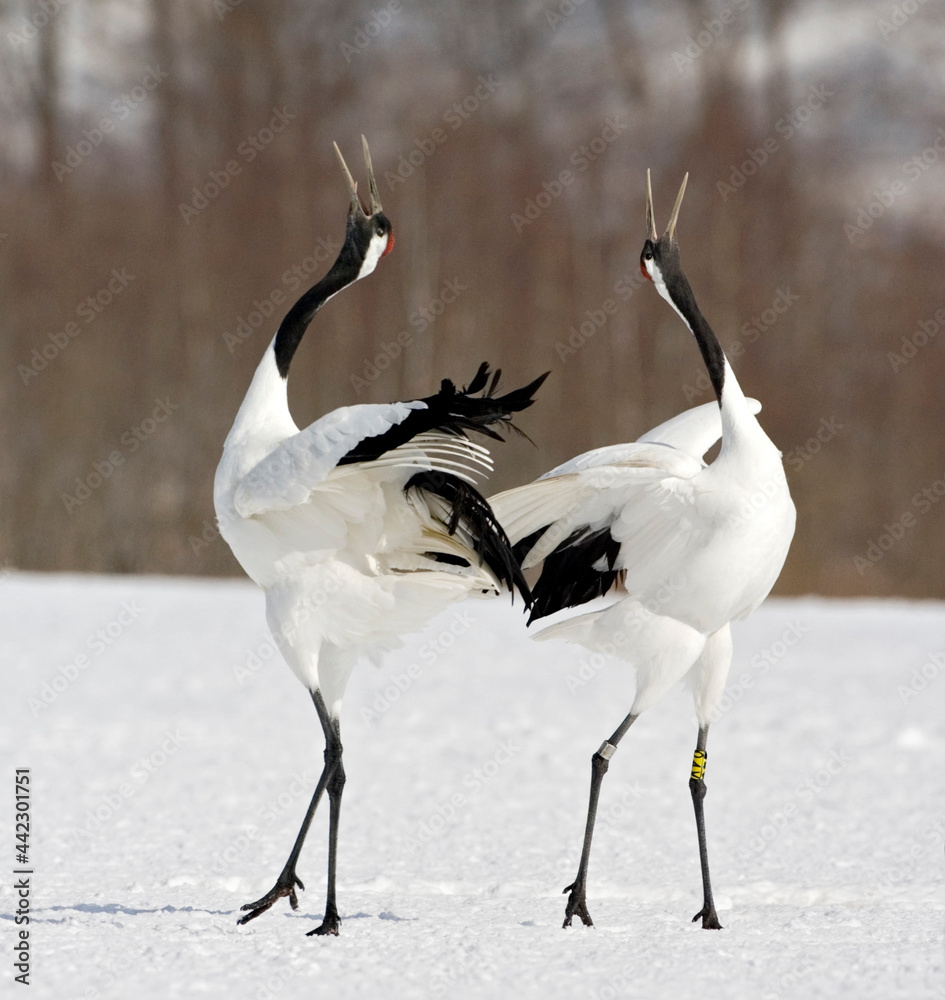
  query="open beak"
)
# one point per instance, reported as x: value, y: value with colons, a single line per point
x: 651, y: 222
x: 671, y: 228
x: 372, y: 183
x: 356, y: 205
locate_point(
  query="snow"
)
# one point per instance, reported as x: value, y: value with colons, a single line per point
x: 171, y: 771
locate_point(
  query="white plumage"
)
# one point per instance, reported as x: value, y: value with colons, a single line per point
x: 696, y: 546
x: 361, y: 527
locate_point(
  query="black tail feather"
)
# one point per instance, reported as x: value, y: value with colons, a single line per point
x: 480, y: 379
x: 471, y: 511
x: 524, y: 545
x: 578, y: 570
x: 453, y: 411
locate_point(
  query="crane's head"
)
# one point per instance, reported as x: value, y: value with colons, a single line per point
x: 660, y: 256
x: 369, y: 234
x: 659, y: 261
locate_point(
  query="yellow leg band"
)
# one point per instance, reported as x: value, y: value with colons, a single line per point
x: 698, y: 765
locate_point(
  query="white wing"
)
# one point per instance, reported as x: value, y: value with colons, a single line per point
x: 287, y: 476
x: 693, y: 431
x: 601, y: 488
x: 640, y: 491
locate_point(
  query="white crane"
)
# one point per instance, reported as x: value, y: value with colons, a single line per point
x: 696, y: 545
x: 361, y: 527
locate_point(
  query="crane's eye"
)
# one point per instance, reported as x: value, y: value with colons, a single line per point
x: 648, y: 255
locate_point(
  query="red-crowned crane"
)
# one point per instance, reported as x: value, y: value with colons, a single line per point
x: 696, y: 545
x: 363, y: 526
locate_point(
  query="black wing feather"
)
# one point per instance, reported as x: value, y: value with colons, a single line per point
x: 455, y: 411
x: 524, y: 545
x: 469, y: 508
x: 568, y: 575
x: 452, y: 411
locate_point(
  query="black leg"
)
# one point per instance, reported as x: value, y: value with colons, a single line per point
x: 710, y: 920
x: 577, y: 901
x: 333, y: 754
x: 288, y: 880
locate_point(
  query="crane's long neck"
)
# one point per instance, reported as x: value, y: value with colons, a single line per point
x: 683, y: 301
x: 346, y: 269
x: 738, y: 422
x: 264, y: 414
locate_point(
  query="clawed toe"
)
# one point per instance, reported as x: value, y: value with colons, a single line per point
x: 710, y: 922
x: 577, y: 904
x: 330, y: 925
x: 285, y: 886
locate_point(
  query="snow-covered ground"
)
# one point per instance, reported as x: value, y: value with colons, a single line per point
x: 172, y: 757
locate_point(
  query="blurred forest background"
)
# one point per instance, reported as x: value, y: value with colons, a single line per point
x: 168, y: 188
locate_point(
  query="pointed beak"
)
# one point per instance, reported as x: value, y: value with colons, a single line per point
x: 350, y: 181
x: 670, y: 233
x: 671, y: 228
x: 650, y: 222
x: 356, y: 205
x: 372, y: 183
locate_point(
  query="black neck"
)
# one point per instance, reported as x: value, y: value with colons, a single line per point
x: 681, y: 293
x: 343, y: 272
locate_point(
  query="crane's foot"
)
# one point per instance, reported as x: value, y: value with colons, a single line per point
x: 330, y: 925
x: 285, y: 886
x: 577, y: 904
x: 710, y: 922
